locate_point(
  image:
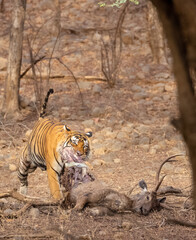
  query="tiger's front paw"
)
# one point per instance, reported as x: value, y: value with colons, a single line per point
x: 23, y: 190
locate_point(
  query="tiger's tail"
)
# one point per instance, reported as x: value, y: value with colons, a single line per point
x: 43, y: 110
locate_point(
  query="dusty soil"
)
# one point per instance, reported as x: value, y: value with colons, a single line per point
x: 132, y: 135
x: 120, y: 169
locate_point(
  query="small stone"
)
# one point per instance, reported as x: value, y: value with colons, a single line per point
x: 144, y: 140
x: 102, y: 233
x: 8, y: 211
x: 136, y: 88
x: 142, y: 129
x: 117, y: 160
x: 122, y: 135
x: 140, y: 75
x: 84, y: 85
x: 55, y: 114
x: 84, y: 237
x: 140, y: 95
x: 119, y: 236
x: 24, y: 102
x: 88, y: 123
x: 152, y: 151
x: 98, y: 162
x: 3, y: 64
x: 12, y: 167
x: 127, y: 129
x: 166, y: 97
x: 98, y: 111
x: 163, y: 75
x: 169, y: 88
x: 145, y: 147
x: 126, y: 225
x: 157, y: 99
x: 34, y: 212
x: 86, y: 130
x: 28, y: 132
x: 96, y: 89
x: 99, y: 149
x: 115, y: 145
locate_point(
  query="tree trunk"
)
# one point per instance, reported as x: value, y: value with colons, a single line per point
x: 12, y: 83
x: 156, y: 37
x: 179, y: 23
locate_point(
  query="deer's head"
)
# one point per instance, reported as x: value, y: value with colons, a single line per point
x: 147, y: 201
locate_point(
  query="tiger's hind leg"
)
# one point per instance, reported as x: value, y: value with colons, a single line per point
x: 25, y: 167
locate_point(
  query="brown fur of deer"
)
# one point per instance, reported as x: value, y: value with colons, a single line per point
x: 86, y: 191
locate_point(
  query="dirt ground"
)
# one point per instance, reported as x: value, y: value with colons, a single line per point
x: 134, y: 162
x: 131, y: 128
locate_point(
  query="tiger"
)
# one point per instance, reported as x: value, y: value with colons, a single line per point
x: 52, y: 146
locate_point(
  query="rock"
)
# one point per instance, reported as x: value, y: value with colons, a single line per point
x: 122, y: 135
x: 99, y: 149
x: 102, y: 233
x: 114, y: 145
x: 85, y: 85
x: 98, y: 111
x: 144, y: 140
x: 152, y: 150
x: 88, y: 123
x: 146, y: 69
x: 64, y: 112
x: 34, y: 212
x: 47, y: 4
x: 3, y: 64
x: 118, y: 236
x: 126, y: 225
x: 145, y: 147
x: 140, y: 75
x: 8, y: 211
x: 28, y: 132
x: 127, y: 129
x: 107, y: 132
x: 169, y: 88
x: 136, y: 88
x: 12, y: 167
x: 98, y: 162
x: 55, y: 114
x: 135, y: 138
x: 96, y: 36
x: 139, y: 96
x: 109, y: 157
x: 97, y: 89
x: 166, y: 97
x: 162, y: 144
x: 117, y: 160
x: 142, y: 128
x: 127, y: 39
x: 88, y: 130
x: 24, y: 102
x: 157, y: 99
x: 84, y: 237
x: 162, y: 75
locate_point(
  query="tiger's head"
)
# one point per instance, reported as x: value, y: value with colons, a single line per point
x: 76, y: 147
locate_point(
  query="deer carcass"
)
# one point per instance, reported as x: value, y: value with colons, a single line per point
x: 84, y: 190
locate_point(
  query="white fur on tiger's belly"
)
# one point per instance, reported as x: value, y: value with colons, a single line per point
x: 23, y: 190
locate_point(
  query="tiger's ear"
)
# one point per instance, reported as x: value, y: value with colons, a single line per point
x: 67, y: 128
x: 89, y: 134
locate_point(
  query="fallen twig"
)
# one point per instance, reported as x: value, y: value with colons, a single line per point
x: 27, y: 199
x: 181, y: 222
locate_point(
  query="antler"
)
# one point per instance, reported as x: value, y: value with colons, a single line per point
x: 159, y: 182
